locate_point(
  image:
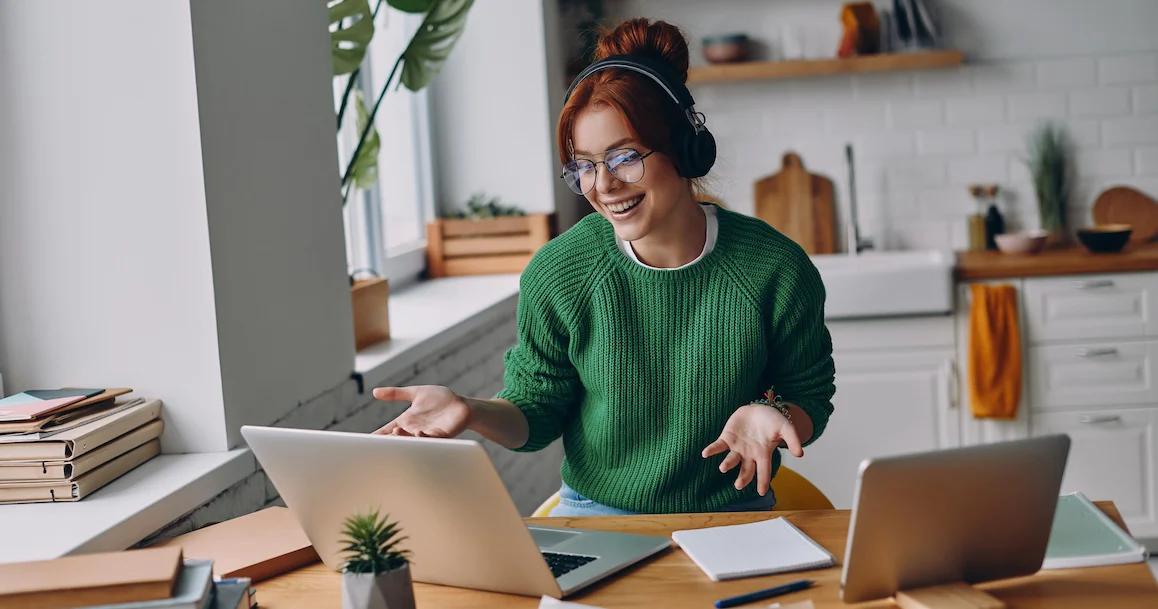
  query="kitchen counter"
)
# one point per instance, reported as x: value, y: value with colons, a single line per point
x: 1068, y: 261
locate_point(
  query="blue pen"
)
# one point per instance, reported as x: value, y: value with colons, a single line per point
x: 760, y: 595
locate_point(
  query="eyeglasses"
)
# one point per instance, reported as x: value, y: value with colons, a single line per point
x: 625, y: 164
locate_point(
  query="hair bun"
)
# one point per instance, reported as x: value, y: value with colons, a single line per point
x: 658, y: 40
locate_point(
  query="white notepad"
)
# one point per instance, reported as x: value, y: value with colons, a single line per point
x: 748, y: 550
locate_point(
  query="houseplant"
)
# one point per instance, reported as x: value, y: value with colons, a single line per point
x: 352, y: 27
x: 376, y: 572
x: 1050, y: 163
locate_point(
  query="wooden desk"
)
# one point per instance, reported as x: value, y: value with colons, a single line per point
x: 671, y: 579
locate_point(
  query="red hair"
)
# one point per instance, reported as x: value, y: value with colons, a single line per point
x: 647, y: 110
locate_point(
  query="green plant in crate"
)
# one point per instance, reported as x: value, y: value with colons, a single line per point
x: 479, y: 208
x: 371, y: 544
x: 351, y: 31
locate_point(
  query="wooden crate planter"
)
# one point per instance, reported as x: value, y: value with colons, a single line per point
x: 371, y: 298
x: 483, y: 247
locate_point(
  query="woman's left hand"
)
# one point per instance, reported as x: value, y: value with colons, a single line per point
x: 750, y: 436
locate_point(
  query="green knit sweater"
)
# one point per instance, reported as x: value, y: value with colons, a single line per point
x: 638, y: 369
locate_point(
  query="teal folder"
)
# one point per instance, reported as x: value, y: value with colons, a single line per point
x: 1084, y: 536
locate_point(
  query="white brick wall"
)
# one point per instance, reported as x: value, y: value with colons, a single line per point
x: 1093, y: 69
x: 922, y: 138
x: 471, y: 366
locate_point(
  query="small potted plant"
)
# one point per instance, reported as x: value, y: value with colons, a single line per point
x: 376, y: 573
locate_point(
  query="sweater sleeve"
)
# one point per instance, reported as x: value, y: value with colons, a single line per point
x: 800, y: 367
x: 539, y: 377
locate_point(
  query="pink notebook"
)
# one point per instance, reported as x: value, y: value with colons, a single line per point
x: 24, y: 407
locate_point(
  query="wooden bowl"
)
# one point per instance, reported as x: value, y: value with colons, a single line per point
x: 1105, y: 238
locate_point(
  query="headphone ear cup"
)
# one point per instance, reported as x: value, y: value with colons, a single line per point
x: 697, y: 152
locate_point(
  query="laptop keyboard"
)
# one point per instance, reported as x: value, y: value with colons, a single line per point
x: 561, y: 564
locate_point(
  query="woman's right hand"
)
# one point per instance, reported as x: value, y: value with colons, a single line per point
x: 434, y: 412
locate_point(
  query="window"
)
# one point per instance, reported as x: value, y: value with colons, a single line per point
x: 385, y: 224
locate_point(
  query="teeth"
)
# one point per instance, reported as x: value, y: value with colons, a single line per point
x: 626, y: 205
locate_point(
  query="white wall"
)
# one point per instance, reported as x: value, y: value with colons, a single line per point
x: 492, y: 122
x: 169, y: 217
x: 104, y: 248
x: 921, y: 137
x: 285, y: 325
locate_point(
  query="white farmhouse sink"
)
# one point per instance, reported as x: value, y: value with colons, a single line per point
x: 882, y: 284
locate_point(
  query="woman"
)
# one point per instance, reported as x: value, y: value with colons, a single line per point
x: 651, y: 334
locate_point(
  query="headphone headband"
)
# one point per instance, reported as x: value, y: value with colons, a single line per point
x: 651, y: 68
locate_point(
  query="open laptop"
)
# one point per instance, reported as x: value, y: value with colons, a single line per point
x: 961, y: 515
x: 461, y: 526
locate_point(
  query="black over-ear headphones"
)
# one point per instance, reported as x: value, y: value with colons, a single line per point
x: 695, y: 146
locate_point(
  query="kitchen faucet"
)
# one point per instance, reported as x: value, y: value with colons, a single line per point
x: 852, y: 233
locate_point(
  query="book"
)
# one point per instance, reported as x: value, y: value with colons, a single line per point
x: 1084, y: 536
x: 75, y: 490
x: 70, y: 469
x: 748, y: 550
x: 89, y: 579
x: 257, y: 546
x: 194, y: 590
x: 74, y: 442
x: 72, y: 410
x: 26, y: 406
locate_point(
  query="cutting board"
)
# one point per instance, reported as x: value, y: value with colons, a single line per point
x: 1124, y: 205
x: 798, y: 204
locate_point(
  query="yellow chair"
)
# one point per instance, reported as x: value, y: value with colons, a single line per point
x: 793, y: 492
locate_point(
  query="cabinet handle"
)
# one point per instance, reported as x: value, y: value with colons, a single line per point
x: 1083, y: 352
x: 1105, y: 418
x: 954, y: 383
x: 1091, y: 284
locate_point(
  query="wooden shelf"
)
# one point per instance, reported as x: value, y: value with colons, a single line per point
x: 753, y: 70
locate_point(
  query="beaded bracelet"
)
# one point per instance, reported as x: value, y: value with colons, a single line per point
x: 772, y: 399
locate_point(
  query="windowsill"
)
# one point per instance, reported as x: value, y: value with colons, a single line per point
x: 125, y: 511
x: 426, y: 317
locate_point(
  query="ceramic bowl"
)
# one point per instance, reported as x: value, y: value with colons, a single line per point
x: 1106, y: 238
x: 1030, y: 242
x: 726, y: 48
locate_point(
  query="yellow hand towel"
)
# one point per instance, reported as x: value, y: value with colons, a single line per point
x: 994, y: 352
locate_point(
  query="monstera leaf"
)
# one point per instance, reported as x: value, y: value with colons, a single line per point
x: 365, y: 164
x: 411, y: 6
x: 348, y: 40
x: 433, y: 42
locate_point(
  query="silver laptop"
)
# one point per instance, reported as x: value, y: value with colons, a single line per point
x: 961, y: 515
x: 462, y: 527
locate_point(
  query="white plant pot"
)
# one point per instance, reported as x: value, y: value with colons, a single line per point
x: 389, y: 590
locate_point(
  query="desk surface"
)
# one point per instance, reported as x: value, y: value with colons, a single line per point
x: 672, y: 580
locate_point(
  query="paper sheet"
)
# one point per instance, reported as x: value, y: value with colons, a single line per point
x: 551, y: 603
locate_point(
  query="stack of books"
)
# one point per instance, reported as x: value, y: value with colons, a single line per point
x: 153, y: 578
x: 63, y: 444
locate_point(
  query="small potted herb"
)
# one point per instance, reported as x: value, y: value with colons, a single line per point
x: 376, y: 573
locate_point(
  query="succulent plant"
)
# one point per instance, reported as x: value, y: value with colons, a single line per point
x: 372, y: 544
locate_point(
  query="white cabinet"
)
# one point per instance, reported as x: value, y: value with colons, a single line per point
x: 1093, y: 306
x: 890, y: 399
x: 1090, y: 374
x: 1111, y: 458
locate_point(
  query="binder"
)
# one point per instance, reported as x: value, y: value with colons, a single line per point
x: 75, y: 490
x: 75, y: 442
x: 28, y: 471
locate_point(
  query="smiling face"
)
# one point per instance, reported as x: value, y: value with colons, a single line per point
x: 634, y: 209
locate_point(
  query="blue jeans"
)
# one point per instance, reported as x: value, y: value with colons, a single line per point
x: 571, y: 503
